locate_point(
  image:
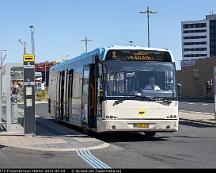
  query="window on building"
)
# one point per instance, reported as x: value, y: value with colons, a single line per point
x: 195, y: 43
x: 195, y: 55
x: 195, y: 49
x: 195, y: 31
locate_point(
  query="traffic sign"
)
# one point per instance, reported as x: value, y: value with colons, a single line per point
x: 29, y: 58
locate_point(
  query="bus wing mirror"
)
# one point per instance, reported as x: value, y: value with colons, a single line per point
x: 101, y: 95
x: 98, y: 66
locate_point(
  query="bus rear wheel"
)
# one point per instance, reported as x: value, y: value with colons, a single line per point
x: 150, y: 134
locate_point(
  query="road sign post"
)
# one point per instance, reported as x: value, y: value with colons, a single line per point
x: 29, y: 94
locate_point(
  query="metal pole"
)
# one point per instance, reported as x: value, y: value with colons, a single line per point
x: 45, y: 74
x: 86, y: 46
x: 8, y: 98
x: 148, y: 12
x: 24, y: 47
x: 23, y: 44
x: 32, y: 39
x: 148, y: 27
x: 1, y: 66
x: 1, y: 115
x: 214, y: 83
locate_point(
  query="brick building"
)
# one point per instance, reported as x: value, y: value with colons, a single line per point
x: 196, y: 77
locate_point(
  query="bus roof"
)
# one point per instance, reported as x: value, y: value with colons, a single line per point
x: 102, y: 53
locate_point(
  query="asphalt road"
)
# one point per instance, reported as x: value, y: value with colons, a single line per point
x: 193, y: 146
x: 197, y: 106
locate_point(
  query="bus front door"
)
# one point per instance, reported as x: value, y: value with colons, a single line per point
x: 89, y: 95
x: 92, y: 98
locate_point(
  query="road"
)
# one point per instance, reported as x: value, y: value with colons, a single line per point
x: 193, y: 146
x: 197, y: 106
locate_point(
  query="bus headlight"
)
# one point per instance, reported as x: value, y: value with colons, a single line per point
x: 171, y: 117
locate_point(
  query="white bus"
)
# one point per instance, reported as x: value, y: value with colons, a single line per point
x: 120, y: 88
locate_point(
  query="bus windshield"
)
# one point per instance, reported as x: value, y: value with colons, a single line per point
x: 138, y: 78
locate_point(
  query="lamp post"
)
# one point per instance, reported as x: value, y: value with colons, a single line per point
x: 32, y: 39
x: 45, y: 74
x: 131, y: 43
x: 1, y: 66
x: 23, y: 44
x: 148, y: 12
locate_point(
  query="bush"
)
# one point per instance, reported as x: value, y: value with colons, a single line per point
x: 42, y: 95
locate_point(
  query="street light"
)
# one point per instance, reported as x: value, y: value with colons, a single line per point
x: 148, y: 12
x: 23, y: 44
x: 3, y: 58
x: 131, y: 43
x: 32, y: 39
x: 1, y: 65
x: 45, y: 74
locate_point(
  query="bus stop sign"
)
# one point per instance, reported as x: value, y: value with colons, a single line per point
x: 29, y: 94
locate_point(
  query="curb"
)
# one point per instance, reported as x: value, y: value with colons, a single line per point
x: 47, y: 148
x: 200, y: 121
x: 101, y: 146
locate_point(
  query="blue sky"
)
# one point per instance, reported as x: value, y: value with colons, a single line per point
x: 61, y: 24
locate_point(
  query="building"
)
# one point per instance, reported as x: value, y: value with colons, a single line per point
x: 197, y: 78
x: 198, y: 38
x: 44, y: 68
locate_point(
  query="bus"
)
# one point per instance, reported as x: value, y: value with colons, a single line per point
x: 106, y: 90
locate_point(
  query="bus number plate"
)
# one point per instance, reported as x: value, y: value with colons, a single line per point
x: 142, y: 125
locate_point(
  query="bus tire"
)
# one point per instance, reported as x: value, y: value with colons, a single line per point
x: 150, y: 134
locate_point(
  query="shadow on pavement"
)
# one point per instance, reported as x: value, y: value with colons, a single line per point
x: 126, y: 137
x: 48, y: 127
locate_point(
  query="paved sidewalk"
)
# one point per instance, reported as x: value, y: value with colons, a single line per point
x: 198, y: 116
x: 50, y: 136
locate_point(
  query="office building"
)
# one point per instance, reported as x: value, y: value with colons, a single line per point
x: 198, y: 39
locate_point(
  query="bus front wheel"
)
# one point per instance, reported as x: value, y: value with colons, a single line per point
x: 150, y: 134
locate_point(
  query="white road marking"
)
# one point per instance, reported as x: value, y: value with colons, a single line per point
x: 191, y: 103
x: 92, y: 160
x: 205, y: 104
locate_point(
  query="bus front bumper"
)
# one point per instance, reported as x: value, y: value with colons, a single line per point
x: 138, y: 125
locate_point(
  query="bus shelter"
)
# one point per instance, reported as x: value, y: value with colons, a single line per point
x: 11, y: 95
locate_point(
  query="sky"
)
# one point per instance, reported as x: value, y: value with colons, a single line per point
x: 60, y: 25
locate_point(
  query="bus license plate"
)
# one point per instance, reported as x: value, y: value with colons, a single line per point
x: 142, y: 125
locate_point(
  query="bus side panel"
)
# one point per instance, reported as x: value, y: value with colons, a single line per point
x: 75, y: 119
x: 52, y: 90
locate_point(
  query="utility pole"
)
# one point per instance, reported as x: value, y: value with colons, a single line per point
x: 148, y: 12
x: 45, y: 74
x: 1, y: 66
x: 86, y: 43
x: 131, y: 43
x: 23, y: 44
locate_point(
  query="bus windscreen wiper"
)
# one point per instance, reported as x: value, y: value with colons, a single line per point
x: 118, y: 102
x: 167, y: 100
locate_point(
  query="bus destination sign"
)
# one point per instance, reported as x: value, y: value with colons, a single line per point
x: 138, y: 55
